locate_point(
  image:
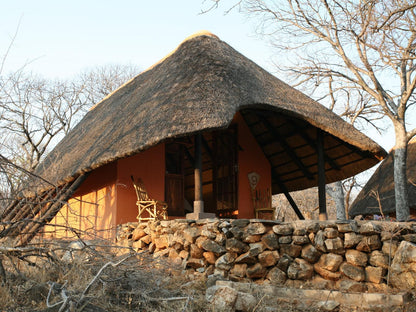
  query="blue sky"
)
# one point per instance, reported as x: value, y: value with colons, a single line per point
x: 61, y: 38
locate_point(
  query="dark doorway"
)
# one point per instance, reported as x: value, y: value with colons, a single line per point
x: 219, y: 174
x: 174, y: 181
x: 226, y: 173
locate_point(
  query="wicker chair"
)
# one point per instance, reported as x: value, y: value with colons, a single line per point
x: 156, y: 210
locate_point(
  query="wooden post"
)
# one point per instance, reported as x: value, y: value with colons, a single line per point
x: 198, y: 168
x: 199, y: 203
x: 321, y: 176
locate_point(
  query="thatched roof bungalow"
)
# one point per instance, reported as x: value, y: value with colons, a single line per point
x: 204, y: 98
x: 377, y: 196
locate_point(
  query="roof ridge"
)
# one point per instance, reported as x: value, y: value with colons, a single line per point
x: 201, y: 33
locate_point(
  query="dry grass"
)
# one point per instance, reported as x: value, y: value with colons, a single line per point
x: 139, y: 283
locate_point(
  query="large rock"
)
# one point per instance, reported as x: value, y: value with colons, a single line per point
x: 390, y: 247
x: 379, y: 259
x: 335, y: 245
x: 190, y: 234
x: 234, y: 245
x: 251, y: 238
x: 356, y: 257
x: 300, y: 239
x: 330, y: 262
x: 256, y: 271
x: 226, y: 261
x: 320, y: 241
x: 328, y: 265
x: 195, y: 251
x: 374, y: 274
x: 161, y: 242
x: 403, y: 267
x: 256, y: 248
x: 245, y: 302
x: 300, y: 269
x: 352, y: 286
x: 276, y: 276
x: 326, y: 274
x: 195, y: 263
x: 353, y: 272
x: 237, y: 232
x: 240, y: 223
x: 346, y: 227
x: 246, y: 258
x: 310, y: 253
x: 331, y: 233
x: 255, y: 228
x: 209, y: 245
x: 352, y: 239
x: 209, y: 257
x: 283, y: 229
x: 270, y: 240
x: 370, y: 228
x: 284, y: 262
x: 268, y: 258
x: 285, y: 239
x: 239, y: 270
x: 222, y: 298
x: 369, y: 243
x: 291, y: 249
x: 138, y: 233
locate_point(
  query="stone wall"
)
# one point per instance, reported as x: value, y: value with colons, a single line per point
x: 351, y: 255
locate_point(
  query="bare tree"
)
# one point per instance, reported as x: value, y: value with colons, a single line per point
x: 36, y: 113
x: 360, y: 49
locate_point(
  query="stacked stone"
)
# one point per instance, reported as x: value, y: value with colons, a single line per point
x: 349, y: 254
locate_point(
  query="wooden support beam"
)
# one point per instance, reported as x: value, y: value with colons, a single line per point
x: 61, y: 199
x: 311, y: 142
x: 321, y: 176
x: 189, y: 156
x: 290, y: 199
x: 206, y: 147
x: 287, y: 148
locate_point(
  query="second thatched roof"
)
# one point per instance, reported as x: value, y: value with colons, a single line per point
x: 378, y: 194
x: 198, y: 87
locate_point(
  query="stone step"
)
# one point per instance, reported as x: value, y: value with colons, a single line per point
x: 325, y: 300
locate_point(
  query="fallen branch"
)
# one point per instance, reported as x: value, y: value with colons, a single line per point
x: 87, y: 289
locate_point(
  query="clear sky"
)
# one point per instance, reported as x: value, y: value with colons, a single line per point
x: 59, y: 39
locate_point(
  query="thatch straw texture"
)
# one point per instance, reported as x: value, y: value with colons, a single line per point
x: 198, y: 87
x: 379, y: 191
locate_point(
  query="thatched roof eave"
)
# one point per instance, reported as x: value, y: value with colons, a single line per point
x: 198, y: 87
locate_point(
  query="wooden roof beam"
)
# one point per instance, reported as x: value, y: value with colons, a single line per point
x: 288, y: 149
x: 311, y: 143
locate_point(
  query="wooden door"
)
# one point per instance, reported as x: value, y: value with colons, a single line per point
x: 174, y: 194
x: 226, y: 173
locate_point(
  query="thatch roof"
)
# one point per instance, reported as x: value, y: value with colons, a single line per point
x: 379, y: 190
x: 200, y: 87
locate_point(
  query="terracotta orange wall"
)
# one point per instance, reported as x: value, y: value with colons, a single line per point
x: 250, y: 158
x: 92, y: 209
x: 150, y: 167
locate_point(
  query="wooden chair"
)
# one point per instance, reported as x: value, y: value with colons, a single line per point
x: 157, y: 210
x: 262, y: 201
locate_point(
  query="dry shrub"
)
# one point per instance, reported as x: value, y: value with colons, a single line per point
x: 139, y: 283
x: 6, y: 298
